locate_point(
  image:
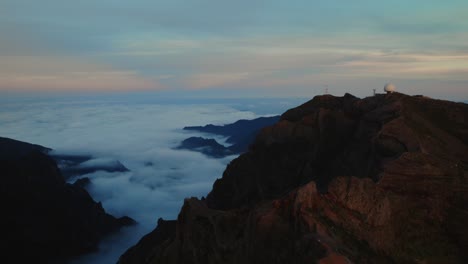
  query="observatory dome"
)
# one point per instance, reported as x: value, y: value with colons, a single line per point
x: 389, y: 88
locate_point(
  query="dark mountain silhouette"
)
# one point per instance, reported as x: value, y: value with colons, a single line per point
x: 14, y: 149
x: 338, y: 179
x: 239, y: 130
x: 70, y: 164
x: 44, y: 219
x: 207, y: 146
x: 240, y: 134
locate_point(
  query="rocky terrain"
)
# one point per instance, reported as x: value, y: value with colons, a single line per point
x: 382, y: 179
x: 44, y: 219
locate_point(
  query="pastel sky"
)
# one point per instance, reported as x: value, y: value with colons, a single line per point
x: 242, y: 47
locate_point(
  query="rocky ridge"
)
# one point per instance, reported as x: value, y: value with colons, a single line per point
x: 382, y: 179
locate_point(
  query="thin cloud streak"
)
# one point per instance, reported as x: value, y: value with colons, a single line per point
x: 216, y: 45
x: 62, y: 73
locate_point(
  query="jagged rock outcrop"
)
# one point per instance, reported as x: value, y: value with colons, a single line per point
x: 44, y: 219
x: 337, y: 180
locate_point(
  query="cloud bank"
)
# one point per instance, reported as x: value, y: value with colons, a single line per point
x: 142, y: 135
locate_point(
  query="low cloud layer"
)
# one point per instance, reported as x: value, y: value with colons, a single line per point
x: 142, y: 136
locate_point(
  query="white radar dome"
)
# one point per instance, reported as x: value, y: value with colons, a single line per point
x: 389, y: 88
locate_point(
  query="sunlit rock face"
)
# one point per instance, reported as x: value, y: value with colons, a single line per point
x: 337, y: 180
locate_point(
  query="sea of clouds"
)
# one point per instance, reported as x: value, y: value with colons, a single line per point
x: 141, y: 132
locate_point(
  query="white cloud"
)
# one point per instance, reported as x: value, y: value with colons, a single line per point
x: 142, y: 136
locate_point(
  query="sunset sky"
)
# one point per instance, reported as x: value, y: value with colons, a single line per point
x: 236, y: 48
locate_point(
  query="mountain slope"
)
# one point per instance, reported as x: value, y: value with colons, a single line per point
x: 377, y: 180
x: 44, y: 219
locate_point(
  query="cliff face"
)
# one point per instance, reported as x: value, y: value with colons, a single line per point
x: 377, y: 180
x: 44, y: 219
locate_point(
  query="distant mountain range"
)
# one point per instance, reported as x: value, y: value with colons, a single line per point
x: 240, y: 134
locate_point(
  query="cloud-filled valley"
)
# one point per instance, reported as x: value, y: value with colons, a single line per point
x: 142, y: 136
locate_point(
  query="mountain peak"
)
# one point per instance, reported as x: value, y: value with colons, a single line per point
x: 374, y: 180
